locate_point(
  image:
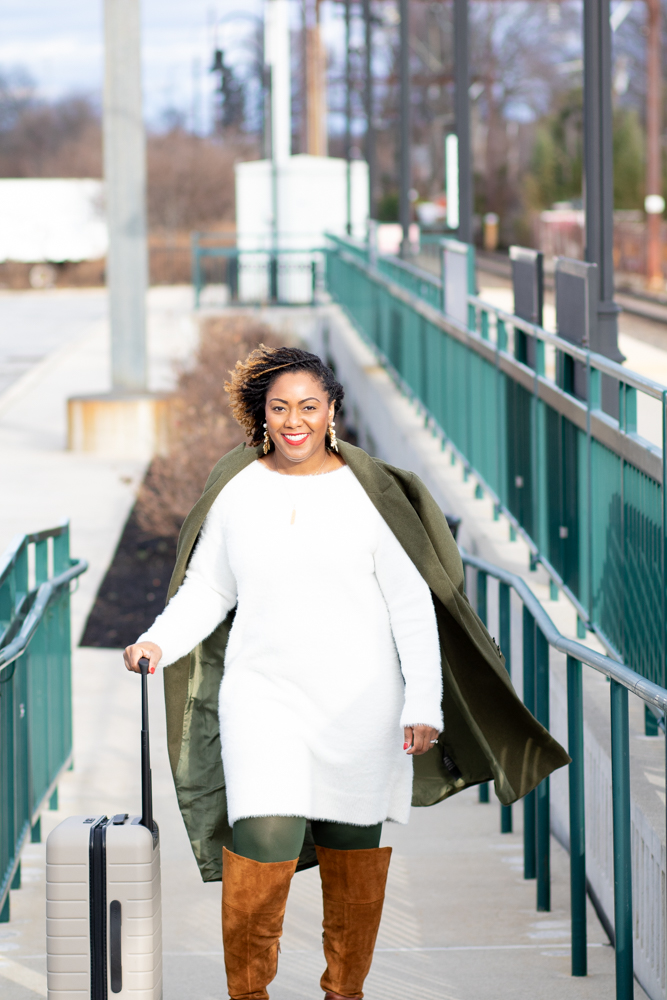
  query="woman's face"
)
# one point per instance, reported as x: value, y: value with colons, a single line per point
x: 298, y: 413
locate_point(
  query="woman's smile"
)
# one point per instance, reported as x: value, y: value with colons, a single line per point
x: 295, y: 439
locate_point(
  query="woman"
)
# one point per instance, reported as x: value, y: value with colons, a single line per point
x: 333, y: 672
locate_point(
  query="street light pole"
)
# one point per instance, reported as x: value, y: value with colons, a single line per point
x: 125, y: 177
x: 598, y: 172
x: 370, y: 106
x: 654, y: 203
x: 405, y: 130
x: 462, y: 116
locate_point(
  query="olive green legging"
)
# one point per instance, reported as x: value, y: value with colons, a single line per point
x: 280, y: 838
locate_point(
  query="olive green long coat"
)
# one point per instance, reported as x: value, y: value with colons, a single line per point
x: 488, y: 733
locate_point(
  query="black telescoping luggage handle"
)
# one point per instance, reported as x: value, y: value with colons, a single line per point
x: 146, y: 785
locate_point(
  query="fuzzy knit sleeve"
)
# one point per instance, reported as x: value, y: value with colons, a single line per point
x: 415, y: 631
x: 206, y: 596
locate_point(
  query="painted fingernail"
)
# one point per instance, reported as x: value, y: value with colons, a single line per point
x: 152, y: 670
x: 405, y: 746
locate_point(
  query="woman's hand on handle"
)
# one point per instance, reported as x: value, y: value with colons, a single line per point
x: 133, y: 654
x: 419, y: 739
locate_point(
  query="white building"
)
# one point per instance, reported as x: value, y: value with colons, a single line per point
x: 52, y: 220
x: 288, y: 203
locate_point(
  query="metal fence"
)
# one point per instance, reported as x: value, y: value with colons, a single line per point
x: 257, y: 276
x: 35, y: 688
x: 539, y: 635
x: 583, y: 488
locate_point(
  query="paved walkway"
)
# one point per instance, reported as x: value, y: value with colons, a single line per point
x: 35, y: 324
x: 460, y: 921
x: 42, y: 482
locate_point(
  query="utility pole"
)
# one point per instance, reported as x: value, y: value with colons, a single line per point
x: 125, y: 176
x: 598, y: 174
x: 277, y: 63
x: 462, y: 116
x: 654, y: 202
x: 348, y: 120
x: 277, y: 58
x: 405, y: 130
x: 128, y: 422
x: 370, y: 107
x: 316, y: 96
x: 305, y: 100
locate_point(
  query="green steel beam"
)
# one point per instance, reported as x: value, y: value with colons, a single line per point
x: 620, y: 782
x: 505, y: 642
x: 35, y: 691
x: 529, y: 802
x: 542, y: 791
x: 622, y: 680
x: 575, y: 730
x: 482, y: 611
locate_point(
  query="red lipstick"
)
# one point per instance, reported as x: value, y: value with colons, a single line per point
x: 295, y: 444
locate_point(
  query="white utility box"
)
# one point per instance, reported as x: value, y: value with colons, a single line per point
x: 310, y: 195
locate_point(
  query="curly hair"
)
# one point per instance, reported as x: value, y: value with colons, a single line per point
x: 251, y: 380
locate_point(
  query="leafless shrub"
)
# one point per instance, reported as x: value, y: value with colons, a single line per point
x: 190, y: 182
x: 62, y: 139
x: 202, y: 428
x: 191, y: 179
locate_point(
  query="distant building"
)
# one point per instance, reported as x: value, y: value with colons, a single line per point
x: 47, y: 222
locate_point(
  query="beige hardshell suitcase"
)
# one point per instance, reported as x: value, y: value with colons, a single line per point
x: 103, y: 913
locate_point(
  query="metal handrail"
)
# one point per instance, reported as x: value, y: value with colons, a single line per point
x: 270, y: 258
x: 620, y: 436
x: 45, y: 594
x: 35, y: 689
x: 9, y: 556
x: 539, y: 632
x: 413, y: 269
x: 649, y: 692
x: 598, y: 361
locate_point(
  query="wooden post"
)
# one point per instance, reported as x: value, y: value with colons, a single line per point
x: 654, y: 203
x: 316, y: 93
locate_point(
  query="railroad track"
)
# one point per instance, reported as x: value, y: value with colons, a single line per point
x: 636, y: 303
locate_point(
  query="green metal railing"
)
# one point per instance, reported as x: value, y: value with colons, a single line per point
x: 35, y: 688
x: 583, y: 489
x: 257, y: 276
x: 539, y: 635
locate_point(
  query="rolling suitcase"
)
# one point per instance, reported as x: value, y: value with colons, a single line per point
x: 103, y: 914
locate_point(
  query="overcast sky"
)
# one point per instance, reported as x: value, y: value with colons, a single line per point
x: 59, y: 42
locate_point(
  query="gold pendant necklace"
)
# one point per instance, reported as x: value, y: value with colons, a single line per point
x: 293, y: 517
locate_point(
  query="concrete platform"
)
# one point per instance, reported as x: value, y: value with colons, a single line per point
x: 43, y: 483
x: 459, y: 923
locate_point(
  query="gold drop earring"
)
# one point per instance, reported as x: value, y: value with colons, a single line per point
x: 333, y: 441
x: 267, y: 440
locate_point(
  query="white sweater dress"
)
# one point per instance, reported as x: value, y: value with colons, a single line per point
x: 333, y: 649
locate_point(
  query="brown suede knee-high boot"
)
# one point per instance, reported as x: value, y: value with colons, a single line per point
x: 254, y: 896
x: 353, y: 885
